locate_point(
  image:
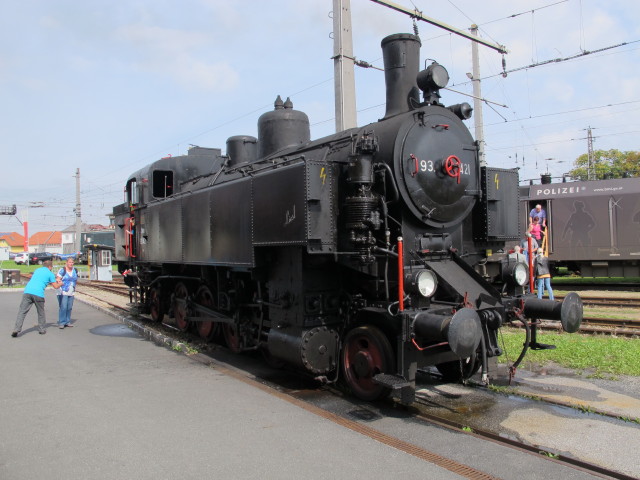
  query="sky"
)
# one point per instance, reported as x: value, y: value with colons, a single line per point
x: 109, y: 86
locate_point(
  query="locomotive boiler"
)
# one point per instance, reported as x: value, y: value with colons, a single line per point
x: 361, y: 256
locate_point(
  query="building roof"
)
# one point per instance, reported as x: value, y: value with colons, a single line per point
x: 46, y: 238
x: 13, y: 239
x: 87, y: 227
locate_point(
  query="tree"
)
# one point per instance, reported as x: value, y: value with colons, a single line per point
x: 608, y: 164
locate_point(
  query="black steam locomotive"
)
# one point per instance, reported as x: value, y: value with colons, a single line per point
x: 361, y: 256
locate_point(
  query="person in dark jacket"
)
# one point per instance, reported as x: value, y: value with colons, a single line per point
x: 543, y: 274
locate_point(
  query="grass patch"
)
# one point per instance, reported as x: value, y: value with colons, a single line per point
x: 11, y: 265
x: 604, y: 356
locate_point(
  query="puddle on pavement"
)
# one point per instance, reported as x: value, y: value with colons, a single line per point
x: 114, y: 330
x: 364, y: 414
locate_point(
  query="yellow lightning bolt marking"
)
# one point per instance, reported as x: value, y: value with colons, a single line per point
x: 323, y: 175
x: 496, y: 180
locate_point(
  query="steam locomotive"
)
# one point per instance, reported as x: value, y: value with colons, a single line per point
x: 362, y: 256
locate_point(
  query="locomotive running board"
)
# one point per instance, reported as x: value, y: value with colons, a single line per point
x: 394, y: 382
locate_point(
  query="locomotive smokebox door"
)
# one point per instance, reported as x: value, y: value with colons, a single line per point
x: 496, y: 216
x: 436, y: 163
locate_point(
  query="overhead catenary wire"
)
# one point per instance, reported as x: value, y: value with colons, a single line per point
x: 508, y: 17
x: 551, y: 61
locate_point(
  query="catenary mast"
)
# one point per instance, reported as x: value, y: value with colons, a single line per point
x: 343, y: 60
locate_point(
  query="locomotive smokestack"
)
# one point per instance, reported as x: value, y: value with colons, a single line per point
x: 401, y: 56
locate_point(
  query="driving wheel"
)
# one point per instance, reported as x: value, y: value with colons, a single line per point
x: 204, y: 297
x: 366, y: 352
x: 156, y: 308
x: 231, y: 336
x: 180, y: 312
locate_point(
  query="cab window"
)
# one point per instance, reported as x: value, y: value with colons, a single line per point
x: 132, y: 192
x: 162, y: 183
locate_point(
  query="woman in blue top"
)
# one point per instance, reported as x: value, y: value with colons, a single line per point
x: 69, y: 278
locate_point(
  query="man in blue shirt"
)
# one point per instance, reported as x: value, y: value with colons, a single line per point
x: 524, y: 246
x: 539, y: 213
x: 34, y: 294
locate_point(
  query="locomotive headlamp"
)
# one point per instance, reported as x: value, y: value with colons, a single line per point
x: 423, y: 282
x: 520, y: 274
x: 516, y: 273
x: 434, y: 77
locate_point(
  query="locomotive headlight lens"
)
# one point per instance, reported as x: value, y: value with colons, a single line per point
x: 515, y: 273
x: 423, y: 282
x: 520, y: 274
x: 433, y: 78
x: 439, y: 75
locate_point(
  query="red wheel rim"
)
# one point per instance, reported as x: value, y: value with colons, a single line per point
x: 365, y: 354
x: 231, y: 336
x: 204, y: 297
x: 180, y: 295
x: 155, y: 304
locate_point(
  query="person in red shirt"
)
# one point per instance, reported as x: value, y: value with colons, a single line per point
x: 535, y: 230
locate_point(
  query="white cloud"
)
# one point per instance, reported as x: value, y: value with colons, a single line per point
x: 177, y: 54
x: 218, y: 76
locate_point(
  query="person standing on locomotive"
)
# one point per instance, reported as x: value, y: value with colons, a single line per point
x: 541, y: 215
x: 536, y: 232
x: 524, y: 245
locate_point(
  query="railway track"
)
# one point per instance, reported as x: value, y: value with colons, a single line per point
x: 584, y: 466
x: 578, y: 287
x: 611, y: 322
x: 590, y: 324
x: 420, y: 412
x: 613, y: 302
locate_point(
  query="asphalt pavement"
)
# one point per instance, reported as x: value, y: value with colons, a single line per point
x: 99, y: 401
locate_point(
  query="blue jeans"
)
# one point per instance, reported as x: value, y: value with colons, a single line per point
x: 542, y: 283
x: 66, y: 304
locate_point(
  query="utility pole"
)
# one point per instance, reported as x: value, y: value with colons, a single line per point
x: 343, y: 60
x: 78, y: 210
x: 11, y: 210
x: 477, y: 97
x: 25, y: 228
x: 591, y: 165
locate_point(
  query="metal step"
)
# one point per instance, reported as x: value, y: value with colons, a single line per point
x: 394, y: 382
